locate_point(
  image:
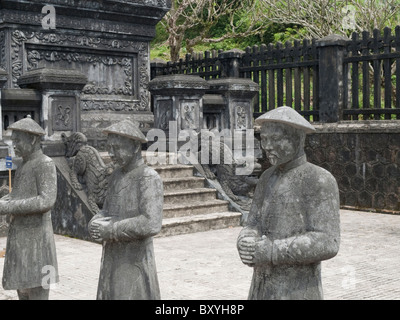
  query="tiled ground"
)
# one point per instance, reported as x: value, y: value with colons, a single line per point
x: 206, y: 266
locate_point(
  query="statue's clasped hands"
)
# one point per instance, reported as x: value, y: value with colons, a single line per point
x: 254, y: 250
x: 101, y: 229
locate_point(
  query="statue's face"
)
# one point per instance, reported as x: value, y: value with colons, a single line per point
x: 23, y: 143
x: 122, y: 150
x: 280, y: 142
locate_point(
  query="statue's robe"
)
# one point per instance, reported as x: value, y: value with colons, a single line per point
x: 134, y: 201
x: 297, y: 207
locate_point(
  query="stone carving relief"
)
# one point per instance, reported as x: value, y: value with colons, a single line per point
x: 89, y: 172
x: 42, y: 51
x: 189, y: 115
x: 63, y: 116
x: 241, y: 117
x: 164, y: 114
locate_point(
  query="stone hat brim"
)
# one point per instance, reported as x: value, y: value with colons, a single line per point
x: 286, y: 115
x: 128, y: 129
x: 27, y: 125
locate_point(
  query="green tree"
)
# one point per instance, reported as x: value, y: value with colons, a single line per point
x: 193, y: 22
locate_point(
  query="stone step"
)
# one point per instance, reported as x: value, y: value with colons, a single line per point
x: 171, y: 184
x: 189, y: 195
x: 199, y: 223
x: 174, y: 171
x: 194, y: 208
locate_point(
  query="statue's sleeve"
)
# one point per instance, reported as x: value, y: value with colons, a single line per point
x: 45, y: 178
x: 254, y: 216
x: 149, y: 222
x: 322, y: 238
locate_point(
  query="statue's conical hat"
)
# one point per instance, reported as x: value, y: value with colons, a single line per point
x: 288, y: 116
x: 128, y: 129
x: 27, y: 125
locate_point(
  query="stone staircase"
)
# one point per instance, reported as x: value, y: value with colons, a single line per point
x: 189, y: 206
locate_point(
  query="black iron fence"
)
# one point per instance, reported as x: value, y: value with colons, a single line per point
x: 326, y: 80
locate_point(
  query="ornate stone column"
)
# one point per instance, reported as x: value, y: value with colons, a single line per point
x: 60, y: 109
x: 178, y: 104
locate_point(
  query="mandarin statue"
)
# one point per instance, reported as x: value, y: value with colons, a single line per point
x: 130, y: 217
x: 30, y: 265
x: 293, y: 223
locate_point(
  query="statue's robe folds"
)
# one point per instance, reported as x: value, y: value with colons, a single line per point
x: 30, y: 259
x: 297, y: 208
x: 134, y: 201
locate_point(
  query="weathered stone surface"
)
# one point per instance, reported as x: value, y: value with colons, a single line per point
x: 107, y: 41
x: 366, y: 150
x: 293, y: 222
x: 30, y: 248
x: 131, y: 216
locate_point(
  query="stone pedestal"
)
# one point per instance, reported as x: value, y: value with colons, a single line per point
x: 238, y: 95
x: 60, y: 104
x: 178, y: 104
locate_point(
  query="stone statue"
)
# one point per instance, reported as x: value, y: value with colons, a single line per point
x: 89, y: 172
x: 131, y: 216
x: 239, y: 188
x: 293, y: 222
x: 30, y: 264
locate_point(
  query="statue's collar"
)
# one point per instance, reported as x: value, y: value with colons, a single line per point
x: 134, y: 165
x: 293, y: 164
x: 33, y: 155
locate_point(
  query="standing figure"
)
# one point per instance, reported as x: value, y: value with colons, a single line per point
x: 131, y: 216
x: 30, y: 264
x: 293, y: 222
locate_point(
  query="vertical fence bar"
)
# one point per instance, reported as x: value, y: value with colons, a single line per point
x: 397, y: 45
x: 271, y: 79
x: 279, y: 74
x: 387, y: 66
x: 306, y: 78
x: 288, y: 75
x: 366, y: 92
x: 263, y: 84
x: 377, y: 74
x: 354, y: 75
x: 256, y: 77
x: 297, y: 77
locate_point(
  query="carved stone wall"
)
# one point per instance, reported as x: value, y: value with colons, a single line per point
x: 108, y: 41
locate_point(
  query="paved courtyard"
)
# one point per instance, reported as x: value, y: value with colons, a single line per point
x: 206, y: 266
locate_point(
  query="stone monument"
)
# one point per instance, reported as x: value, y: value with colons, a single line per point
x: 293, y: 223
x: 131, y: 216
x: 30, y: 264
x: 107, y: 41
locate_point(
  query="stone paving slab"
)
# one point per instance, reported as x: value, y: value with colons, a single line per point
x: 206, y: 266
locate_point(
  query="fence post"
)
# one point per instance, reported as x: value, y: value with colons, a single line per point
x: 156, y: 67
x: 331, y: 91
x: 230, y: 61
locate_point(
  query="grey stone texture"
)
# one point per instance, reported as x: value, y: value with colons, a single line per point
x: 293, y: 222
x: 363, y: 157
x: 30, y: 242
x: 131, y: 216
x: 107, y: 41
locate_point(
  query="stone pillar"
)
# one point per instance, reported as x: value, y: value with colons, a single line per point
x: 238, y: 94
x: 60, y: 109
x: 230, y: 63
x: 178, y: 103
x: 331, y: 91
x: 3, y: 146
